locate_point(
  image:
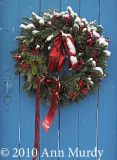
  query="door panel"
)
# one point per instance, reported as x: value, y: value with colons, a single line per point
x: 27, y: 105
x: 49, y: 140
x: 108, y: 90
x: 88, y: 107
x: 69, y: 115
x: 9, y: 83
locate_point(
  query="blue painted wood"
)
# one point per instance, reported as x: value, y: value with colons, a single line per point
x: 108, y: 90
x: 69, y: 115
x: 27, y: 105
x: 48, y: 140
x: 76, y: 124
x: 88, y: 107
x: 9, y: 112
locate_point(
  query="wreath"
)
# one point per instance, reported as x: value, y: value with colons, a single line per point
x: 61, y: 57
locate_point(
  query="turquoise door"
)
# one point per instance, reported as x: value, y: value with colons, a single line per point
x: 89, y: 125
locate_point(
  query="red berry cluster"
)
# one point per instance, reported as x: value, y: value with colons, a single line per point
x: 84, y: 91
x: 17, y: 57
x: 34, y: 52
x: 36, y: 79
x: 67, y: 20
x: 73, y: 95
x: 48, y: 81
x: 80, y: 63
x: 107, y: 40
x: 94, y: 55
x: 43, y: 28
x: 25, y: 66
x: 81, y: 85
x: 89, y: 40
x: 24, y: 47
x: 56, y: 17
x: 37, y: 25
x: 81, y: 28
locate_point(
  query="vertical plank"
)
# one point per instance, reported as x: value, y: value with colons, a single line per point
x: 27, y: 105
x: 9, y: 106
x: 88, y: 107
x: 108, y: 90
x: 48, y: 140
x: 69, y: 122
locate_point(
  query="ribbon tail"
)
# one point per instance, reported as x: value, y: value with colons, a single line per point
x: 70, y: 47
x: 55, y: 54
x: 37, y: 123
x: 52, y: 111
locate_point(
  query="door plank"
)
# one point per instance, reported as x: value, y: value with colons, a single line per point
x: 9, y: 114
x: 69, y: 121
x: 108, y: 90
x: 27, y: 105
x: 48, y: 140
x: 88, y: 107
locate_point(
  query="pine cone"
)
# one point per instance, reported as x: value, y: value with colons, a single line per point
x: 37, y: 42
x: 82, y: 48
x: 63, y: 88
x: 33, y: 45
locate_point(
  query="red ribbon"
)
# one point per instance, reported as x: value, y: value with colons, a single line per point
x: 56, y: 63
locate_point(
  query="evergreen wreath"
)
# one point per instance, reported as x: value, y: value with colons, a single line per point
x: 37, y: 40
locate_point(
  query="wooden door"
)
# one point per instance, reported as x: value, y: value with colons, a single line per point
x: 92, y: 123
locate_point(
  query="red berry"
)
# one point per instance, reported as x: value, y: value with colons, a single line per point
x: 88, y: 33
x: 79, y: 66
x: 107, y: 37
x: 56, y: 21
x: 95, y: 52
x: 81, y: 81
x: 28, y: 66
x: 75, y: 94
x: 51, y: 90
x: 81, y: 28
x: 96, y: 59
x: 93, y: 73
x: 100, y: 76
x: 83, y: 22
x: 79, y: 70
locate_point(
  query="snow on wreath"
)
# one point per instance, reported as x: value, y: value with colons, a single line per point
x: 47, y: 42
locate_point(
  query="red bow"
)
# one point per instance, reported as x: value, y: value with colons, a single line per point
x: 56, y: 63
x: 57, y: 55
